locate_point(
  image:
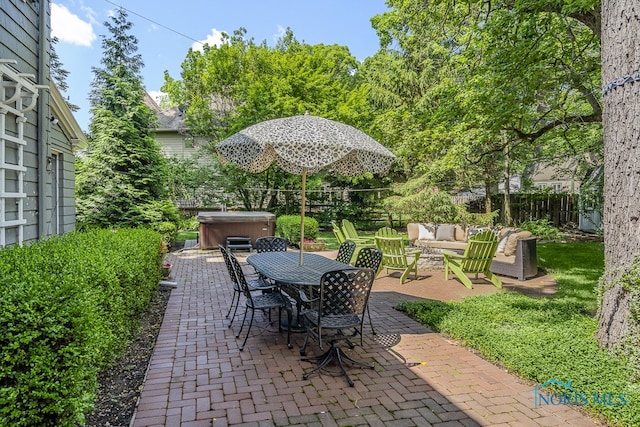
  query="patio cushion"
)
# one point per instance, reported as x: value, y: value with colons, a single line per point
x: 503, y: 236
x: 473, y: 230
x: 426, y: 232
x: 446, y: 232
x: 512, y: 241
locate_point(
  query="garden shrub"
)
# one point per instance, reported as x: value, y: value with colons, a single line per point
x: 427, y: 205
x: 542, y: 229
x: 168, y: 231
x: 288, y: 226
x: 68, y: 306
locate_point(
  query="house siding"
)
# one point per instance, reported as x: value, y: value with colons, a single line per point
x: 20, y: 42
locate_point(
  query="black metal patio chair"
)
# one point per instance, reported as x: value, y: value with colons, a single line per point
x: 271, y: 244
x: 346, y: 251
x: 338, y: 315
x: 263, y: 302
x: 258, y: 284
x: 369, y: 257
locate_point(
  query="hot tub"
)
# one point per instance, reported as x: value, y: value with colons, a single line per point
x: 215, y: 227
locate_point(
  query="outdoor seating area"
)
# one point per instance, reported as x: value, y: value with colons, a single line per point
x: 199, y: 376
x: 519, y: 260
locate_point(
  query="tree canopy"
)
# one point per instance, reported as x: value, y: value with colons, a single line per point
x: 226, y: 88
x: 476, y: 84
x: 121, y: 179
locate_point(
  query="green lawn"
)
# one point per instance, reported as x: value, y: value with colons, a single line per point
x: 545, y: 338
x: 183, y: 236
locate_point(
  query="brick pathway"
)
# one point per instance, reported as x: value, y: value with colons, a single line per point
x: 197, y: 376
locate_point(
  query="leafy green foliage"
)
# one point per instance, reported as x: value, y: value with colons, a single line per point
x: 123, y: 172
x: 629, y: 280
x: 168, y: 231
x: 547, y: 337
x: 425, y: 205
x: 542, y: 229
x: 240, y: 83
x: 68, y: 305
x: 193, y: 182
x: 469, y: 91
x: 288, y: 226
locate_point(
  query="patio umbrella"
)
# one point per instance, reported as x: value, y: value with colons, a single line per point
x: 305, y: 144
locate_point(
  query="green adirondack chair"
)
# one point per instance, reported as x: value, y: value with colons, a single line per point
x: 387, y: 232
x: 341, y: 238
x: 338, y: 233
x: 476, y: 259
x: 350, y: 233
x: 395, y: 256
x: 392, y: 232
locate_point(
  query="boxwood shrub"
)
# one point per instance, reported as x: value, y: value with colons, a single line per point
x: 68, y: 306
x: 288, y: 226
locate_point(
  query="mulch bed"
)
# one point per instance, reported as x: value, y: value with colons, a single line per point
x: 121, y: 383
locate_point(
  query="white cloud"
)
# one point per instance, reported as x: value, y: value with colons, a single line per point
x: 213, y: 39
x: 69, y: 28
x: 280, y: 33
x: 161, y: 98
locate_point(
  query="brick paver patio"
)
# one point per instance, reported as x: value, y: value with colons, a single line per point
x: 197, y: 376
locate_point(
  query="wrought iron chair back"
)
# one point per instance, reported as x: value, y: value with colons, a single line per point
x: 343, y: 297
x: 271, y: 244
x: 369, y: 257
x: 346, y: 251
x: 338, y: 316
x: 252, y: 284
x: 235, y: 300
x: 267, y: 301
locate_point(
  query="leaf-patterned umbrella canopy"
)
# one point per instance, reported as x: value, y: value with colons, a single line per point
x: 306, y: 143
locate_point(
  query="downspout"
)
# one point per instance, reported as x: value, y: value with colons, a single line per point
x: 43, y: 122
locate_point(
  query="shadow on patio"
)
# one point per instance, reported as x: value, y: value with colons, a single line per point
x: 198, y: 377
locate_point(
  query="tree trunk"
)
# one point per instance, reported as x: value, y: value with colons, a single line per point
x: 506, y: 205
x: 621, y: 132
x: 487, y: 196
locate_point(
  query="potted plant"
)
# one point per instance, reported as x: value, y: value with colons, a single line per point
x: 312, y: 245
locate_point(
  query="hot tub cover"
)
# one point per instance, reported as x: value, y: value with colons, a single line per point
x: 205, y: 217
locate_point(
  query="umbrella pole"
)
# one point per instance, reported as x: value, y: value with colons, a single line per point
x: 304, y: 194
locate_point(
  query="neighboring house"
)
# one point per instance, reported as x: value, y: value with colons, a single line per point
x: 172, y: 133
x: 37, y: 131
x: 560, y: 178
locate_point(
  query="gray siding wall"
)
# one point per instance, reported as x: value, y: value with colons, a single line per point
x: 20, y: 41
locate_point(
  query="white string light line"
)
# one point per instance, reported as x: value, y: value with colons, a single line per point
x: 629, y: 78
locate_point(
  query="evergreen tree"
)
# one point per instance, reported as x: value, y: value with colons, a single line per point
x: 122, y: 179
x: 59, y: 74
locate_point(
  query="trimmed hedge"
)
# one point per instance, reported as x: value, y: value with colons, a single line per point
x: 288, y: 226
x: 68, y: 306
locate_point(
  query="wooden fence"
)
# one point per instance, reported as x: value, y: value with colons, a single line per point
x: 561, y: 209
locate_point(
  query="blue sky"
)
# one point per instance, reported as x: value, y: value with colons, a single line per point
x: 167, y: 29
